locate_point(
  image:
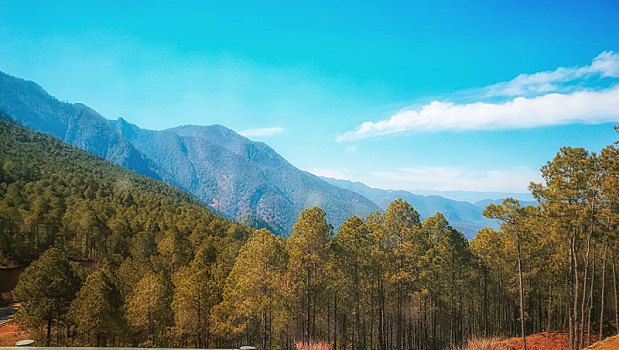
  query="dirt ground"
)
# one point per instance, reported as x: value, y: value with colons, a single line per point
x: 11, y: 334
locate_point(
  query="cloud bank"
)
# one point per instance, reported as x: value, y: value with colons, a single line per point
x: 262, y: 132
x: 541, y: 101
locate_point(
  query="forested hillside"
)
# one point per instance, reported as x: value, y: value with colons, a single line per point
x: 170, y: 273
x: 53, y: 194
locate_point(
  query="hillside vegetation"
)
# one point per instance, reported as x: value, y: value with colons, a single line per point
x: 53, y: 194
x: 170, y: 273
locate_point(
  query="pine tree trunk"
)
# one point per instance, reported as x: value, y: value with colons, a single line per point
x: 49, y: 332
x: 602, y: 296
x: 588, y: 340
x: 485, y: 302
x: 399, y: 320
x: 359, y: 340
x: 521, y: 292
x: 381, y: 317
x: 263, y: 330
x: 615, y: 287
x: 574, y: 340
x: 335, y: 324
x: 308, y: 308
x: 584, y: 295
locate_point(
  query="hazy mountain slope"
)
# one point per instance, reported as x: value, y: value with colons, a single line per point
x: 239, y: 177
x: 484, y: 203
x: 234, y: 176
x: 476, y: 196
x: 464, y: 216
x: 76, y: 124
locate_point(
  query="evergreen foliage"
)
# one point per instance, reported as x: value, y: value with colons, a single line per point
x: 46, y: 288
x: 167, y: 272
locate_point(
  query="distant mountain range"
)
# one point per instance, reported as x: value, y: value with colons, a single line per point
x: 237, y: 178
x: 464, y: 216
x: 476, y: 196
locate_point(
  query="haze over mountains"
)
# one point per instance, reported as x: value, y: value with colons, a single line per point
x: 237, y: 178
x: 464, y: 216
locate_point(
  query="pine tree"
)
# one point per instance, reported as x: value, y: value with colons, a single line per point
x: 256, y: 287
x: 513, y: 218
x: 46, y: 289
x: 401, y: 222
x: 308, y: 250
x: 148, y: 309
x: 97, y: 312
x: 351, y: 249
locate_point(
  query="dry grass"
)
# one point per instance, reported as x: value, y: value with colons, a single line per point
x: 541, y: 341
x: 610, y: 343
x: 313, y: 346
x: 484, y: 344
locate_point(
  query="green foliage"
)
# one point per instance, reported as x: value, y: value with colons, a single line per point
x: 148, y: 309
x: 255, y: 291
x: 54, y: 194
x: 97, y: 312
x: 46, y: 289
x: 197, y: 289
x: 164, y: 271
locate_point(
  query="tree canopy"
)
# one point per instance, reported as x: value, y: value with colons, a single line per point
x: 118, y: 259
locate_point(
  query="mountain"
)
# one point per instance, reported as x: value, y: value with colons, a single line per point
x: 475, y: 196
x: 464, y: 216
x: 482, y: 204
x: 234, y: 176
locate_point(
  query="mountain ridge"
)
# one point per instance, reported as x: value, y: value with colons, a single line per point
x: 234, y: 176
x: 463, y: 215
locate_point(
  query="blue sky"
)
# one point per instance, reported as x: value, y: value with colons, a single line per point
x: 406, y: 95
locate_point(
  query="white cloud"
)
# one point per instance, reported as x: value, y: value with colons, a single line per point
x: 520, y: 112
x: 332, y: 173
x: 261, y: 132
x: 452, y: 178
x: 605, y: 65
x: 541, y: 99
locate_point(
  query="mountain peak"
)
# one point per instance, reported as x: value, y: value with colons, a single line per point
x: 206, y: 131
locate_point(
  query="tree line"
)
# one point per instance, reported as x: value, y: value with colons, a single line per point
x: 167, y: 272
